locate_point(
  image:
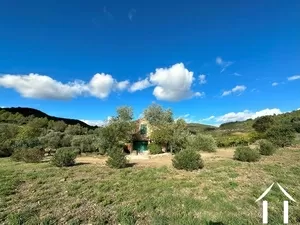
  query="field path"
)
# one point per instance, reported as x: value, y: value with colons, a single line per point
x: 157, y: 160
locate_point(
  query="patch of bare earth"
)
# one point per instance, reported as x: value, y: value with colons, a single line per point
x: 158, y: 160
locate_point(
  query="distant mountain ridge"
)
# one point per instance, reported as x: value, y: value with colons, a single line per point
x: 25, y: 111
x: 37, y: 113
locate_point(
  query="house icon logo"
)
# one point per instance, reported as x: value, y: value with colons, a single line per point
x: 285, y: 204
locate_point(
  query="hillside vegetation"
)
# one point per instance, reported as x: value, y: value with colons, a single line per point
x: 43, y: 183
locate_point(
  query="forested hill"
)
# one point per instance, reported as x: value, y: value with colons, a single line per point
x: 26, y: 112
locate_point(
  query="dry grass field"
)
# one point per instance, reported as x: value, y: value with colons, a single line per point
x: 149, y: 191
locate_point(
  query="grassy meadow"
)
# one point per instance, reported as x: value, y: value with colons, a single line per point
x: 224, y: 192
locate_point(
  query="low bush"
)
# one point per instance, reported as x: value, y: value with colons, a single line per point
x: 5, y: 152
x: 64, y: 157
x: 6, y: 148
x: 246, y: 154
x: 117, y: 159
x: 202, y: 142
x: 281, y: 135
x: 232, y: 141
x: 188, y: 159
x: 266, y: 147
x: 30, y: 155
x: 154, y: 149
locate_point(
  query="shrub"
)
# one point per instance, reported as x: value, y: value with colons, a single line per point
x: 31, y: 155
x: 262, y: 124
x: 188, y: 159
x: 254, y: 136
x: 201, y: 142
x: 246, y: 154
x: 6, y: 148
x: 117, y: 159
x: 64, y: 157
x: 83, y: 143
x: 232, y: 141
x: 266, y: 147
x: 5, y: 152
x: 281, y: 136
x: 154, y: 148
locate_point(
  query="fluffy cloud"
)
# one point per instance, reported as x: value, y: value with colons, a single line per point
x: 274, y: 84
x: 246, y: 114
x: 39, y: 86
x: 173, y: 84
x: 223, y: 64
x: 296, y: 77
x: 199, y: 94
x: 236, y: 89
x: 44, y: 87
x: 123, y: 85
x: 98, y: 123
x: 101, y: 85
x: 140, y: 85
x: 202, y: 79
x: 170, y: 84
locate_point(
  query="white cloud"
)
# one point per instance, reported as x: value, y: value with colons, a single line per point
x: 274, y: 84
x: 225, y: 93
x: 202, y: 79
x: 246, y: 114
x: 239, y: 88
x: 223, y: 64
x: 98, y: 123
x: 209, y: 118
x: 101, y: 85
x: 296, y: 77
x: 199, y: 94
x: 44, y: 87
x: 121, y: 86
x: 40, y: 86
x: 140, y: 85
x: 173, y: 84
x: 236, y: 74
x: 236, y: 89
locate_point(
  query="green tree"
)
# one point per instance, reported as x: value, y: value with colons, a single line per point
x: 38, y: 123
x: 66, y: 140
x: 296, y: 124
x: 118, y: 131
x: 156, y: 115
x: 281, y: 135
x: 74, y: 130
x: 124, y: 113
x: 117, y: 159
x: 7, y: 134
x: 83, y: 143
x: 202, y: 142
x: 57, y: 125
x: 179, y: 136
x: 262, y: 124
x: 52, y: 140
x: 162, y: 134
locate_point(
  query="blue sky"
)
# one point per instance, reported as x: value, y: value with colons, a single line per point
x: 210, y: 61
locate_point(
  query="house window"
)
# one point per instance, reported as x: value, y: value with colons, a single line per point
x: 143, y: 129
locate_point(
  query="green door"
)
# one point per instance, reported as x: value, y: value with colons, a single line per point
x: 140, y: 146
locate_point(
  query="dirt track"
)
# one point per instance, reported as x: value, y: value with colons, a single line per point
x: 159, y: 160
